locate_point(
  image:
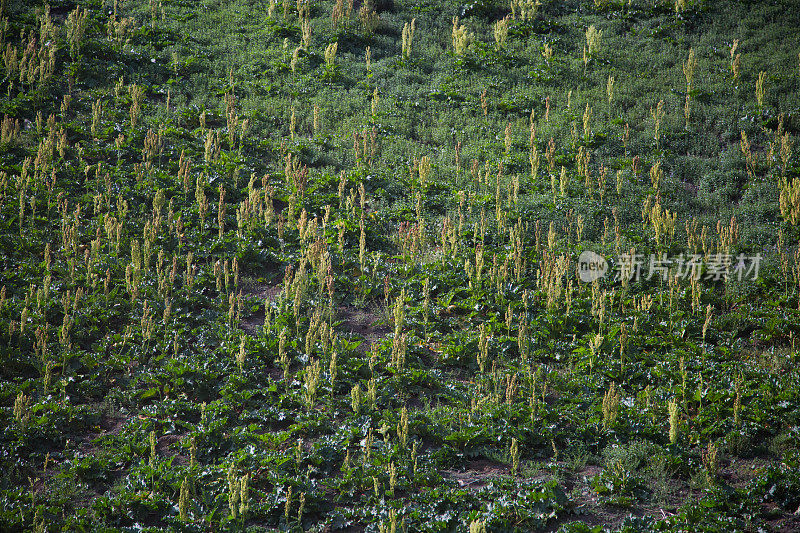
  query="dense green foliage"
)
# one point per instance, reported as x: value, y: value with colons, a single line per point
x: 309, y: 266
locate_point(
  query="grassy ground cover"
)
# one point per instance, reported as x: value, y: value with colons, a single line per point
x: 273, y: 265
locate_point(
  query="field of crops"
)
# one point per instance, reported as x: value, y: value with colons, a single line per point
x: 399, y: 266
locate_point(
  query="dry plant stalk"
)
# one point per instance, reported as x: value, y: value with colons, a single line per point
x: 750, y: 158
x: 658, y: 116
x: 592, y: 46
x: 736, y: 60
x: 688, y: 71
x: 408, y: 37
x: 524, y: 9
x: 462, y: 39
x: 501, y: 31
x: 789, y: 199
x: 368, y: 17
x: 760, y: 90
x: 330, y: 54
x: 611, y: 401
x: 672, y: 407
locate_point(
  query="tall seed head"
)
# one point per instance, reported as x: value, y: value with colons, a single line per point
x: 673, y: 421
